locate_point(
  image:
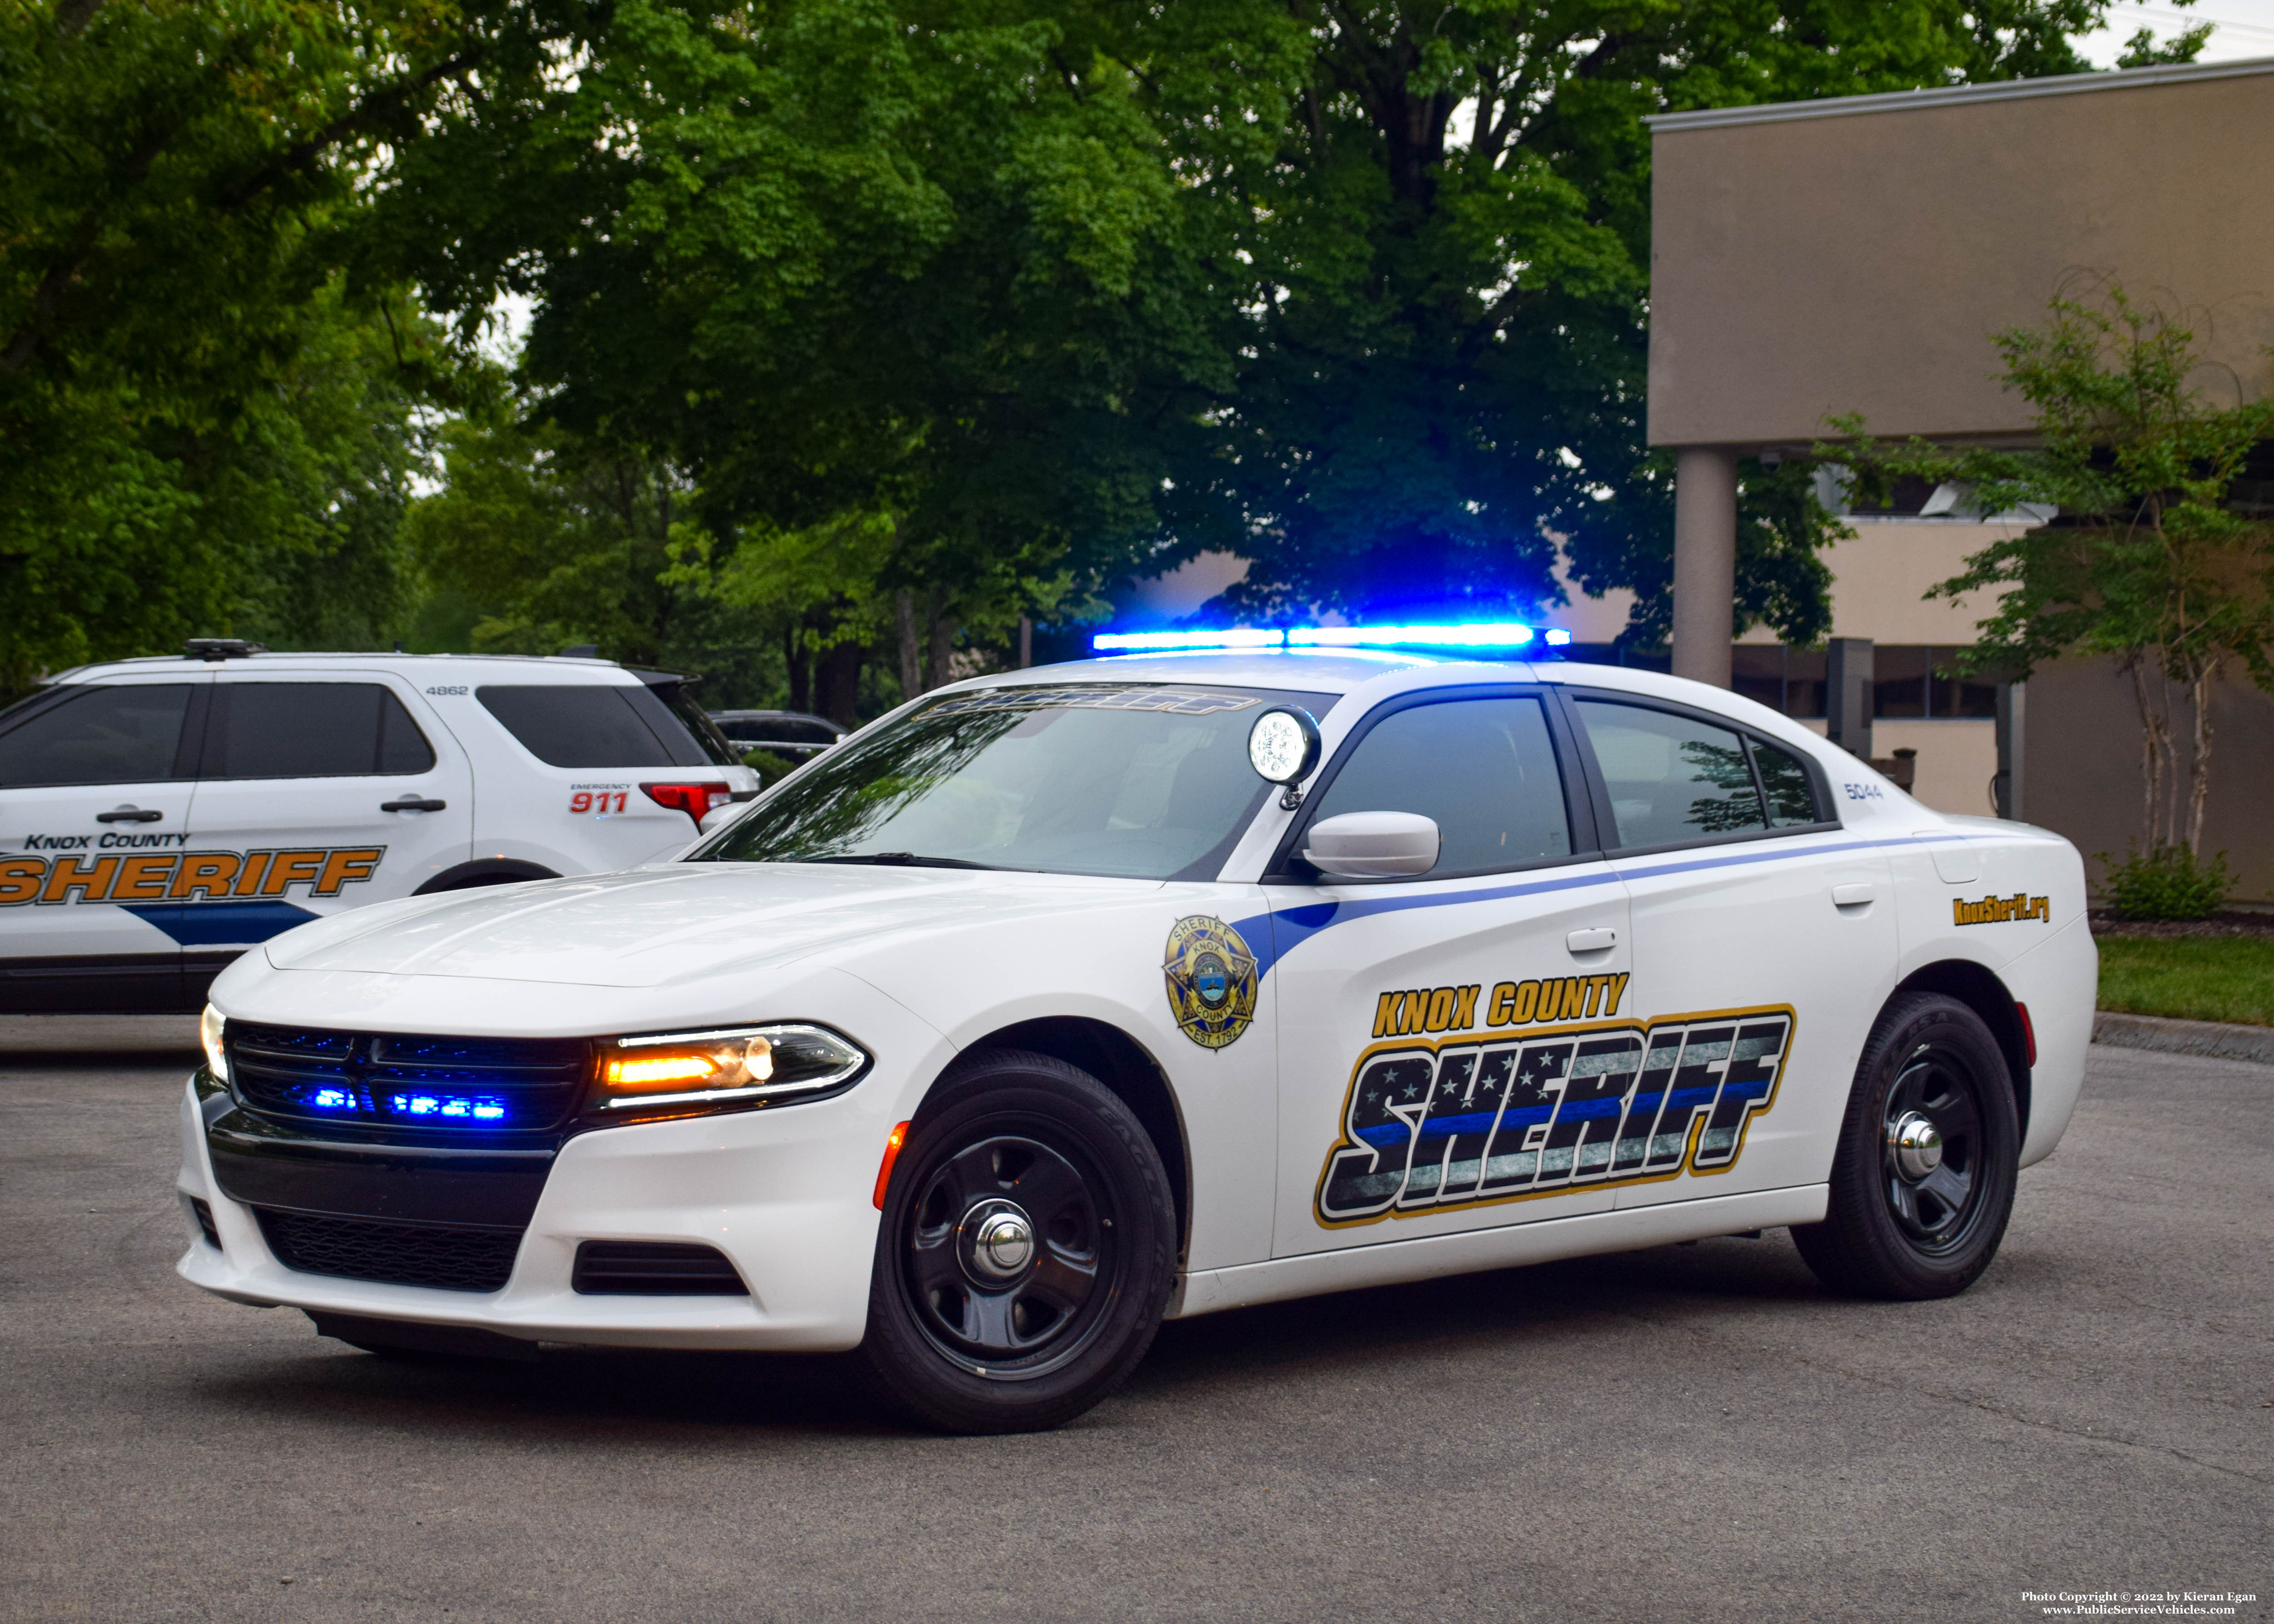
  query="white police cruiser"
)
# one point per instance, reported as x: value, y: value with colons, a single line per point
x: 158, y: 816
x: 1058, y: 1001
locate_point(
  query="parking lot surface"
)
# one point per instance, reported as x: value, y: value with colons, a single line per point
x: 1695, y: 1432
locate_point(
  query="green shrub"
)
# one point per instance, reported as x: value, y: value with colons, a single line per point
x: 2165, y: 882
x: 771, y: 768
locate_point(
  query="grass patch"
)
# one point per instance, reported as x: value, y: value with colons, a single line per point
x: 2194, y: 978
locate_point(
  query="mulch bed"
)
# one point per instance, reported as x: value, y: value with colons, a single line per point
x: 2231, y: 922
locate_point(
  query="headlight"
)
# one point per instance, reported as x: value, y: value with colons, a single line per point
x: 733, y: 1066
x: 209, y: 1031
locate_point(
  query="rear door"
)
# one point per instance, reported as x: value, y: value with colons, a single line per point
x: 95, y: 786
x: 1765, y: 943
x: 317, y: 792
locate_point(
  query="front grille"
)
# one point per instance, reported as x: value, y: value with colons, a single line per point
x: 654, y: 1268
x: 450, y: 1257
x: 418, y: 1089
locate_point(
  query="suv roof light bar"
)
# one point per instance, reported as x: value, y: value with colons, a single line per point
x: 212, y: 648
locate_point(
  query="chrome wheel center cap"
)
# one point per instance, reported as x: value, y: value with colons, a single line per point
x: 998, y: 1241
x: 1917, y: 1145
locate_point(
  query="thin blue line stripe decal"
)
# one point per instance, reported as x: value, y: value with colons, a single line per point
x: 222, y: 924
x: 1273, y: 935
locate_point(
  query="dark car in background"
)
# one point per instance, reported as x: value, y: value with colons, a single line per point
x: 793, y: 735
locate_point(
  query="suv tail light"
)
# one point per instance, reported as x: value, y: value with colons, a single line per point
x: 695, y: 799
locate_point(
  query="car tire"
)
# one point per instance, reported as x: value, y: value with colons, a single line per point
x: 1026, y: 1253
x: 1918, y: 1212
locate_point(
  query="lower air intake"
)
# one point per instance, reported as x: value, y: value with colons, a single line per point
x: 448, y: 1257
x: 654, y: 1268
x: 203, y: 1212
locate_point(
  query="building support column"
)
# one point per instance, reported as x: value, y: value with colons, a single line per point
x: 1705, y: 561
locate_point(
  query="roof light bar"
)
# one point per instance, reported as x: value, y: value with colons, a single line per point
x: 1496, y: 634
x: 1488, y: 635
x: 1238, y: 637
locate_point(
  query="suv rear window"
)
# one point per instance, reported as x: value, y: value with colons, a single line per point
x: 588, y: 724
x: 312, y: 730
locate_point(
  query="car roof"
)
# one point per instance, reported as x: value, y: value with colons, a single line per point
x: 1372, y: 675
x: 462, y: 666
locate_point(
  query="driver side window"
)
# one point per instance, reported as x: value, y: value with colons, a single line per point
x: 1483, y: 769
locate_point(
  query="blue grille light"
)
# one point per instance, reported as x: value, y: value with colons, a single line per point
x: 1486, y: 635
x: 331, y: 1100
x: 457, y: 1107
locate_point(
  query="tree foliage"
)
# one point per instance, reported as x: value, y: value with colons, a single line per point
x: 199, y: 425
x: 860, y: 322
x: 1427, y: 228
x: 848, y: 264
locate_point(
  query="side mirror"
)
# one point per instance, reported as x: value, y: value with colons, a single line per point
x: 1373, y: 846
x: 718, y: 816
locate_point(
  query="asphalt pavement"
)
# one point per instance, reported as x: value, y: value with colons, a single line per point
x: 1692, y: 1433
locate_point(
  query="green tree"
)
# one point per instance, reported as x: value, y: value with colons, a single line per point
x: 1427, y: 228
x: 2147, y: 563
x: 839, y: 258
x: 198, y: 418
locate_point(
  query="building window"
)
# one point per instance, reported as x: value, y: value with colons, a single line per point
x: 1790, y: 680
x: 1909, y: 682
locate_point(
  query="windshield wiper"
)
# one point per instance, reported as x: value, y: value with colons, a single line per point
x: 897, y: 860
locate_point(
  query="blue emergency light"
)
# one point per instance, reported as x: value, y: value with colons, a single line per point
x: 1484, y: 635
x: 421, y: 1105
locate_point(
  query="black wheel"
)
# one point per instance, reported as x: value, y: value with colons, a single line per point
x: 1923, y: 1181
x: 1026, y: 1254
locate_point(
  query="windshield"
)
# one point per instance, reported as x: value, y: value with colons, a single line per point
x: 1145, y: 781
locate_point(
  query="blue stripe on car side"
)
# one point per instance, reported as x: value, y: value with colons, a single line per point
x: 1272, y: 936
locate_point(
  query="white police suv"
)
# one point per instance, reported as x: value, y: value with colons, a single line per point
x: 158, y: 816
x: 1058, y: 1001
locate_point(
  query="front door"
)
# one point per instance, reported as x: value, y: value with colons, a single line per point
x: 318, y: 794
x: 1444, y: 1039
x: 1765, y: 943
x: 94, y: 805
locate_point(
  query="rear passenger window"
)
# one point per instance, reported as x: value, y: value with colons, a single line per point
x: 130, y: 734
x: 312, y: 730
x: 1483, y: 769
x: 1671, y: 778
x: 1791, y: 797
x: 592, y: 725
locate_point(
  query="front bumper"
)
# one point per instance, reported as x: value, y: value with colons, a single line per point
x: 785, y: 1193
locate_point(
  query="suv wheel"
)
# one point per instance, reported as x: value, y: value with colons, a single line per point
x: 1923, y: 1181
x: 1026, y: 1254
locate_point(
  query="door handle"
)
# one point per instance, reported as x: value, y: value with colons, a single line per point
x: 1598, y: 940
x: 415, y: 803
x: 128, y: 814
x: 1853, y: 895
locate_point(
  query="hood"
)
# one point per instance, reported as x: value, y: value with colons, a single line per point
x: 681, y: 922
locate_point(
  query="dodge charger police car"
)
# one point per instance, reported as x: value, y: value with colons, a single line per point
x: 158, y: 816
x: 1059, y: 1001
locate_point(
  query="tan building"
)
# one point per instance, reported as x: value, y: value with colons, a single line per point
x: 1818, y: 258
